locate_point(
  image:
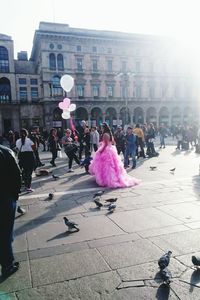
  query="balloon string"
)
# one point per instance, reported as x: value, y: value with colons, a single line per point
x: 72, y: 126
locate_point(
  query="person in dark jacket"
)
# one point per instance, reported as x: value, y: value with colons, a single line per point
x: 10, y: 179
x: 53, y: 145
x: 130, y: 148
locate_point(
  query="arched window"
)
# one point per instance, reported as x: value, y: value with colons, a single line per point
x: 57, y: 89
x: 60, y: 62
x: 5, y: 90
x: 52, y: 61
x: 4, y: 60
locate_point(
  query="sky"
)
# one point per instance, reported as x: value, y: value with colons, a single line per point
x: 176, y: 18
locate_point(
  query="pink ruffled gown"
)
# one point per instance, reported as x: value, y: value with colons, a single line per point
x: 109, y: 170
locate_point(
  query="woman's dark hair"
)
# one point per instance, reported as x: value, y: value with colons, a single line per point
x: 52, y: 130
x: 137, y: 126
x: 106, y: 129
x: 23, y: 134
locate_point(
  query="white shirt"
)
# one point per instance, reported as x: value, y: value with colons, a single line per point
x: 27, y: 145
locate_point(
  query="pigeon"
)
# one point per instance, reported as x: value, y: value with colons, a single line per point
x: 98, y: 204
x: 196, y: 261
x: 112, y: 207
x: 55, y: 177
x: 98, y: 194
x: 20, y: 210
x: 172, y: 170
x: 166, y: 275
x: 111, y: 200
x: 163, y: 262
x: 51, y: 195
x: 70, y: 224
x: 153, y: 168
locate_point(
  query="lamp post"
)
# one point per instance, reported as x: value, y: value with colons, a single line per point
x: 125, y: 76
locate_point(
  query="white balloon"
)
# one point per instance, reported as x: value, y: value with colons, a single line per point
x: 72, y: 107
x: 66, y: 115
x: 67, y: 82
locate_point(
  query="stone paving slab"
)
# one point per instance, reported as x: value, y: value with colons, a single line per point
x: 130, y: 253
x: 183, y: 211
x: 54, y: 233
x: 149, y: 271
x: 67, y: 266
x: 133, y: 221
x: 18, y: 281
x: 179, y: 242
x: 163, y: 230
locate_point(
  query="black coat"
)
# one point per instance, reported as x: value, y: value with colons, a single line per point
x: 10, y: 174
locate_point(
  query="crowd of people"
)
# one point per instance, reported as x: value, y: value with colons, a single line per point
x: 114, y: 150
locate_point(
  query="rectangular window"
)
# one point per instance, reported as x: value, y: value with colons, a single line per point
x: 109, y: 50
x: 110, y: 65
x: 151, y: 92
x: 137, y: 67
x: 34, y: 81
x: 78, y: 48
x: 22, y: 80
x: 124, y: 92
x: 34, y: 94
x: 110, y: 91
x: 95, y: 91
x: 94, y: 49
x: 80, y: 91
x: 23, y: 94
x: 94, y: 65
x: 123, y: 66
x: 4, y: 66
x: 138, y: 91
x: 79, y: 64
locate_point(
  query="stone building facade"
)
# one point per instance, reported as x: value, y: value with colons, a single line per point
x: 119, y: 78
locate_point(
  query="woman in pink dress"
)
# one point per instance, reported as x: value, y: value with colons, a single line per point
x: 108, y: 167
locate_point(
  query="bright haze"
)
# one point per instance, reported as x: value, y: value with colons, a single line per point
x: 174, y: 18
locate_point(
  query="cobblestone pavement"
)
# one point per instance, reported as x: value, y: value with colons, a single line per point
x: 113, y: 256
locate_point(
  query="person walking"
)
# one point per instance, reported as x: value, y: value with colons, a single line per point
x: 26, y: 158
x: 70, y: 149
x: 94, y: 138
x: 35, y: 137
x: 140, y: 140
x: 53, y: 145
x: 130, y: 147
x: 119, y: 138
x: 10, y: 179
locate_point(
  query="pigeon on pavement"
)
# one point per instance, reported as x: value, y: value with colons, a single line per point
x: 51, y: 195
x: 166, y: 275
x: 172, y: 170
x: 70, y: 224
x: 55, y: 177
x: 98, y: 204
x: 112, y: 207
x: 111, y: 200
x: 196, y: 261
x: 20, y: 210
x: 153, y: 168
x: 98, y: 194
x: 163, y: 262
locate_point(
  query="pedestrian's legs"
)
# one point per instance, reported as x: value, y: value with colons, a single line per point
x: 95, y: 147
x: 81, y: 150
x: 126, y: 158
x: 7, y: 217
x: 70, y: 156
x: 28, y: 176
x: 133, y: 159
x: 76, y: 158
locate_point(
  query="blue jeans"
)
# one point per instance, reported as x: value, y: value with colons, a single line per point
x: 129, y: 153
x: 162, y: 141
x: 7, y: 217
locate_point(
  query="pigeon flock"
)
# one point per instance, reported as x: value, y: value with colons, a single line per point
x: 110, y: 203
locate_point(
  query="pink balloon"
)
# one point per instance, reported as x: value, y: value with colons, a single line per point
x: 64, y: 104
